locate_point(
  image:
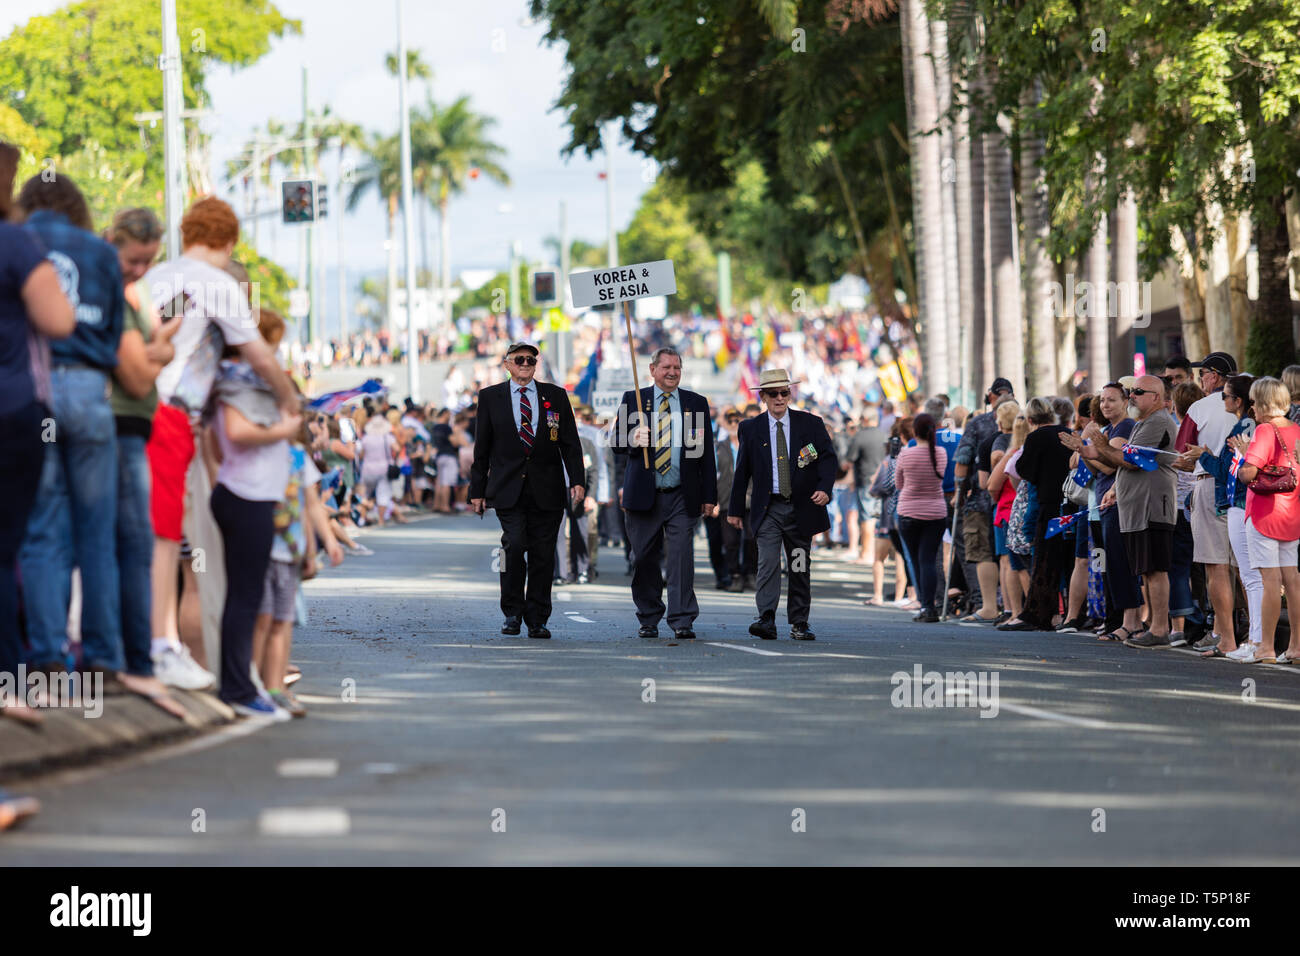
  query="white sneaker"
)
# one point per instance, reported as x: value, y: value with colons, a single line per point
x: 176, y: 668
x: 1243, y: 654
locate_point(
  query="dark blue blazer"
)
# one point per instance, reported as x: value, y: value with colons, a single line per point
x: 754, y: 461
x: 699, y: 472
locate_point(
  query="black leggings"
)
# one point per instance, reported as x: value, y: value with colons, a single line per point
x: 22, y: 454
x: 247, y: 530
x: 923, y: 536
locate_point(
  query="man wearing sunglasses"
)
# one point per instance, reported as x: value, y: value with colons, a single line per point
x: 662, y: 502
x: 1207, y: 424
x: 525, y: 441
x: 790, y: 458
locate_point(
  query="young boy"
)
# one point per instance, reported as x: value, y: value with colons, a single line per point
x: 293, y: 558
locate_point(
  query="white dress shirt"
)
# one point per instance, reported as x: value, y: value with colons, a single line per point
x: 533, y: 403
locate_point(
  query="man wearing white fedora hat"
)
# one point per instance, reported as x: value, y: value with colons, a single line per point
x: 791, y: 459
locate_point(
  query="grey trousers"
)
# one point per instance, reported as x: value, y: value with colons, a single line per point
x: 665, y: 529
x: 778, y: 530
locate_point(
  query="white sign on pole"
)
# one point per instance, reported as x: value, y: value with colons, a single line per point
x: 299, y: 303
x: 605, y: 403
x: 636, y: 281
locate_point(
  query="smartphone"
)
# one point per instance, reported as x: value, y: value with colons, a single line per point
x: 347, y: 431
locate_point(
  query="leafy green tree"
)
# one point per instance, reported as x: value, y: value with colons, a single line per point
x: 80, y: 74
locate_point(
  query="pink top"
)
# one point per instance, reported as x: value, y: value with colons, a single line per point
x: 920, y: 490
x: 1274, y: 516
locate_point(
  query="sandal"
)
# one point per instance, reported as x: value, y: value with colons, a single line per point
x: 1213, y: 652
x: 1112, y: 635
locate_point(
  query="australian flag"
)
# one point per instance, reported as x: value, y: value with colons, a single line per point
x: 1082, y: 475
x: 1237, y: 462
x: 587, y: 384
x: 1061, y: 525
x: 331, y: 402
x: 1144, y: 458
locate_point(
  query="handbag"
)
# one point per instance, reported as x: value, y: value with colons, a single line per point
x: 1274, y: 479
x: 1074, y: 492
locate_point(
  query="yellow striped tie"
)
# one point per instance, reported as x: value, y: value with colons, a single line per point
x: 664, y: 438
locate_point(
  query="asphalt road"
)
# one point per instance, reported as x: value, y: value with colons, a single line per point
x: 463, y: 746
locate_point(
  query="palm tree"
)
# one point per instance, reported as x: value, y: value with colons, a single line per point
x: 927, y: 186
x: 453, y: 145
x: 381, y: 173
x: 1040, y: 272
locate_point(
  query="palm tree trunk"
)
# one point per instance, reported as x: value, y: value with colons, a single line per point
x: 970, y: 248
x: 444, y: 256
x: 927, y: 217
x: 1218, y: 298
x: 1040, y: 274
x: 1191, y: 303
x: 391, y: 302
x: 948, y: 203
x: 1008, y: 331
x: 1128, y: 299
x: 1097, y: 268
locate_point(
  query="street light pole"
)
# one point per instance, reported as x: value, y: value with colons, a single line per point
x: 173, y: 147
x: 408, y: 217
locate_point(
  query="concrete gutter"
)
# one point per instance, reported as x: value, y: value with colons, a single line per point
x: 68, y: 738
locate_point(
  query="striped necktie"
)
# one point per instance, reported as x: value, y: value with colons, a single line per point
x: 782, y: 461
x: 525, y: 417
x: 664, y: 438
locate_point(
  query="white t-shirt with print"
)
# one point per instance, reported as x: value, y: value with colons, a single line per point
x: 212, y: 296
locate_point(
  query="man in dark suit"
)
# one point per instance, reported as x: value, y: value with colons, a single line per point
x: 791, y: 459
x: 663, y: 501
x: 724, y: 540
x: 525, y: 440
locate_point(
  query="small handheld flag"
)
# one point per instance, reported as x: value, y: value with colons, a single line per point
x: 1144, y: 458
x: 1061, y: 525
x: 1082, y: 474
x: 1237, y: 462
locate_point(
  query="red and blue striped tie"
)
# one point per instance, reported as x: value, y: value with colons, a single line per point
x: 525, y: 418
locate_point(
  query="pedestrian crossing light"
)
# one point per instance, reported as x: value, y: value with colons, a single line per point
x: 299, y: 197
x: 541, y: 283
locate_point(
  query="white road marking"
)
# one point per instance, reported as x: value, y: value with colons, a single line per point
x: 563, y: 596
x: 380, y: 768
x: 308, y: 767
x: 748, y: 650
x: 304, y: 821
x: 1060, y: 718
x: 575, y: 616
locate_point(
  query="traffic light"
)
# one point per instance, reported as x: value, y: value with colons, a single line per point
x: 322, y: 200
x: 299, y: 200
x: 542, y: 287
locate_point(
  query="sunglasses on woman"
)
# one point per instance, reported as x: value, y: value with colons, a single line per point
x: 525, y: 360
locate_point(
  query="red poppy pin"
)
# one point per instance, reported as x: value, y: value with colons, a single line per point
x: 546, y: 404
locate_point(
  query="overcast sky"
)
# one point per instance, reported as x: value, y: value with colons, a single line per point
x: 483, y: 48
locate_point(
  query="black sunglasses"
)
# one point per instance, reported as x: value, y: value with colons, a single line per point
x: 525, y: 360
x: 1144, y: 391
x: 777, y: 393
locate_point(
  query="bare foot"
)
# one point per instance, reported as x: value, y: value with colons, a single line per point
x: 155, y: 691
x: 23, y: 714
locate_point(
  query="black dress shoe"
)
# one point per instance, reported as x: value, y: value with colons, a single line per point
x: 540, y: 633
x: 511, y: 626
x: 648, y: 630
x: 800, y: 632
x: 684, y: 634
x: 558, y: 581
x: 764, y: 628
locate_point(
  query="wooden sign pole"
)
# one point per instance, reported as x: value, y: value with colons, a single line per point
x: 636, y: 383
